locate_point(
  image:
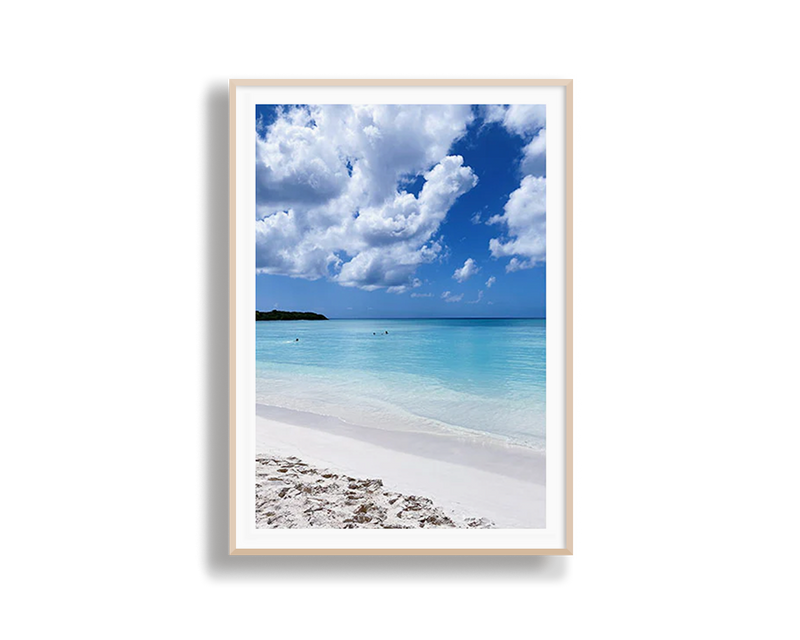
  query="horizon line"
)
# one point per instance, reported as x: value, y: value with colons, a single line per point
x: 446, y: 318
x: 417, y: 317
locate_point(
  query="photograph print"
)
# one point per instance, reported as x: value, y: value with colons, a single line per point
x: 400, y: 329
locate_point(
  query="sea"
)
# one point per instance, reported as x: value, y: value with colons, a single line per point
x: 481, y: 378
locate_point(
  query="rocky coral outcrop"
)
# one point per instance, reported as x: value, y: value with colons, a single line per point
x: 293, y: 494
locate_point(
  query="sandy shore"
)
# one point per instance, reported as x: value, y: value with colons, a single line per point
x: 449, y: 480
x: 293, y: 494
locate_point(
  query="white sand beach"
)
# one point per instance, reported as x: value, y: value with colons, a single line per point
x: 468, y: 481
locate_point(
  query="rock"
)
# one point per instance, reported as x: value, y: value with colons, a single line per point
x: 438, y: 521
x: 305, y: 497
x: 479, y: 523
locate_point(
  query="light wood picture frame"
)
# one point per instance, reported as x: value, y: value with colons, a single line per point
x: 245, y: 89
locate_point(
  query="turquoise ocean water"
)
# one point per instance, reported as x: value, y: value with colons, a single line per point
x: 473, y: 377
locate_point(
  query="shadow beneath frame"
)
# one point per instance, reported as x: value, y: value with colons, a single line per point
x: 212, y: 560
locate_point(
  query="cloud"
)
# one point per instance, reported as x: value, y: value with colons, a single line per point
x: 524, y: 119
x: 476, y: 218
x: 527, y: 121
x: 447, y: 297
x: 296, y: 164
x: 525, y: 218
x: 402, y: 288
x: 476, y: 301
x: 330, y: 201
x: 521, y: 119
x: 390, y: 267
x: 494, y: 112
x: 534, y: 156
x: 469, y: 269
x: 525, y: 211
x: 490, y: 282
x: 515, y: 264
x: 286, y: 245
x: 421, y: 295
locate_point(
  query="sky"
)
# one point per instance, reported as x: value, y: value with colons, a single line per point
x: 394, y: 211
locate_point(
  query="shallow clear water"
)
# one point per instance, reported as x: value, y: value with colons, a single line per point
x: 470, y: 376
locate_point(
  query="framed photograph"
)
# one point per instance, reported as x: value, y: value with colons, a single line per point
x: 401, y: 317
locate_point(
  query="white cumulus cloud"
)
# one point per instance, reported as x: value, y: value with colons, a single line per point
x: 490, y: 282
x: 524, y: 214
x: 477, y: 300
x: 517, y: 118
x: 523, y: 119
x: 534, y: 155
x: 525, y: 219
x: 469, y: 269
x: 330, y: 201
x: 515, y: 264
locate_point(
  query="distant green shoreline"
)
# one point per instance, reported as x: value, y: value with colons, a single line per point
x: 275, y: 314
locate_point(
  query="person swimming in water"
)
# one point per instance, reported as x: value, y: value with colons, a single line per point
x: 297, y: 339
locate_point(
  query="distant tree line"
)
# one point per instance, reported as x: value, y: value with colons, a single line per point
x: 288, y: 315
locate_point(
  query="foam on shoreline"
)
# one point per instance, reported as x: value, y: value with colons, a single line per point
x: 468, y: 477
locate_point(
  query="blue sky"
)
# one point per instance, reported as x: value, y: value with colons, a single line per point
x: 401, y: 210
